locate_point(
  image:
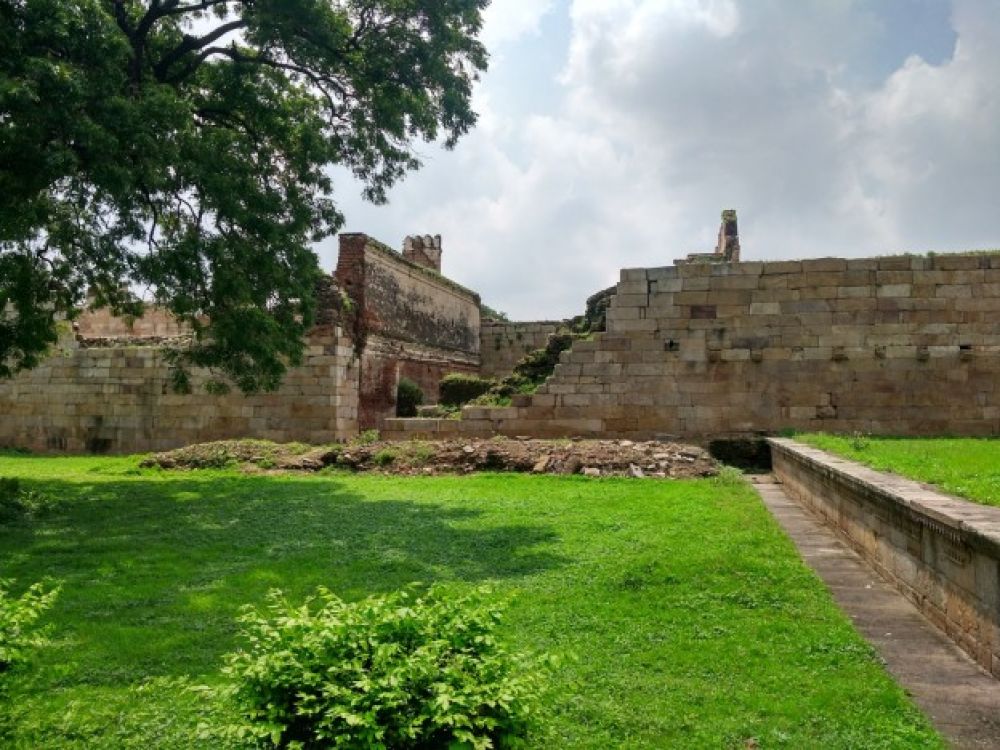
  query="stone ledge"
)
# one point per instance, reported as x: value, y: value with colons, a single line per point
x: 941, y: 552
x: 962, y: 520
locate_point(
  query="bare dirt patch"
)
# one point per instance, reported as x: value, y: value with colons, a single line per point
x: 595, y: 458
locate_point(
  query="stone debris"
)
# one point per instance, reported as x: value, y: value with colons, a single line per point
x: 592, y: 458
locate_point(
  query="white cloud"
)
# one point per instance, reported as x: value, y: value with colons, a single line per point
x: 672, y: 110
x: 506, y: 21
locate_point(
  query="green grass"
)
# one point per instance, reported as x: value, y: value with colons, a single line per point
x: 683, y: 615
x: 969, y: 467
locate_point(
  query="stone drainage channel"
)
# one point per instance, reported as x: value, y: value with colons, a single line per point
x: 958, y: 695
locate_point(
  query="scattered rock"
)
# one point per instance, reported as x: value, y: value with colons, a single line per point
x: 604, y: 458
x: 541, y: 465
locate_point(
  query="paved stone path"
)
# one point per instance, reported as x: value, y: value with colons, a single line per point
x: 962, y: 701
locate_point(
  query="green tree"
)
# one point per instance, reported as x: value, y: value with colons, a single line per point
x: 183, y: 147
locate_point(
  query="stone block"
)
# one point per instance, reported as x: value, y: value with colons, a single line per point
x: 662, y: 273
x: 765, y: 308
x: 824, y: 264
x: 953, y: 291
x: 634, y: 274
x: 733, y: 282
x: 782, y: 267
x: 957, y: 262
x: 893, y: 290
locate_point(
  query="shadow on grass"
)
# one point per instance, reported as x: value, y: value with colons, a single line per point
x: 155, y: 571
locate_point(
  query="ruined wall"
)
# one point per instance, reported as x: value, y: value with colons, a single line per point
x: 118, y: 399
x: 414, y: 323
x: 155, y: 322
x: 503, y: 345
x: 899, y: 345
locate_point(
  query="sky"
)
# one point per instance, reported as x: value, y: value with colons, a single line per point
x: 612, y: 133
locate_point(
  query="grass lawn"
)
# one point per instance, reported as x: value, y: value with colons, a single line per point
x: 969, y: 467
x: 688, y: 619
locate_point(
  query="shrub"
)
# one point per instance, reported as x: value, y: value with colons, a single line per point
x: 860, y: 442
x: 18, y: 618
x: 17, y: 503
x: 533, y: 370
x: 368, y: 437
x: 458, y: 388
x: 384, y: 457
x: 391, y: 671
x: 408, y: 398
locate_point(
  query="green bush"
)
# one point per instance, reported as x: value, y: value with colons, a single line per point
x: 384, y: 457
x: 457, y: 388
x: 408, y: 398
x: 17, y: 503
x: 18, y: 617
x: 368, y: 437
x: 392, y: 671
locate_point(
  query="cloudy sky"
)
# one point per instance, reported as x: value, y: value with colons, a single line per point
x: 613, y: 132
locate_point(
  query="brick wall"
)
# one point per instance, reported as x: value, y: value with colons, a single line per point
x: 503, y: 345
x: 898, y: 345
x: 414, y: 323
x: 118, y: 399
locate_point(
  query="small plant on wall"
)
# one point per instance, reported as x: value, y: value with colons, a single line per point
x: 408, y: 398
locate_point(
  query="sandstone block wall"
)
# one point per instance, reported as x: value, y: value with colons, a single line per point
x: 897, y: 345
x: 155, y: 322
x: 942, y: 553
x: 503, y: 345
x: 118, y: 399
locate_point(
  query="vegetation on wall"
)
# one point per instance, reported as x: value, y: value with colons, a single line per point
x: 460, y: 388
x: 533, y: 370
x: 969, y: 467
x: 488, y: 313
x: 408, y: 398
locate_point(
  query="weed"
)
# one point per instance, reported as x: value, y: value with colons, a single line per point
x: 384, y: 457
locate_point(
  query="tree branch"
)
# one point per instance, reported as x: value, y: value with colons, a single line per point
x: 193, y: 44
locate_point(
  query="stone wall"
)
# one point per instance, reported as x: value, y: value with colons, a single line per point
x: 117, y: 398
x: 412, y: 323
x: 942, y: 553
x: 503, y: 345
x: 155, y: 322
x: 898, y: 345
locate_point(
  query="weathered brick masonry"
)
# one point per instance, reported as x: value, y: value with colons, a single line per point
x: 897, y: 345
x: 413, y: 322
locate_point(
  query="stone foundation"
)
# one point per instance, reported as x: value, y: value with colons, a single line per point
x: 942, y: 553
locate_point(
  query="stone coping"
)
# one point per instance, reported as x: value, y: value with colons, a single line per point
x: 962, y: 520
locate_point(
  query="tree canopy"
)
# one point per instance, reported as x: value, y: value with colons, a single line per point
x: 183, y: 147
